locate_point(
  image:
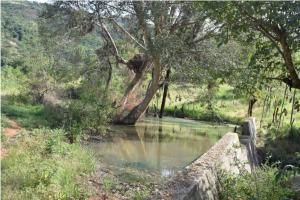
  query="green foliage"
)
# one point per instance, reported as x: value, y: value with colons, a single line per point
x: 202, y: 115
x: 54, y: 56
x: 18, y: 31
x: 89, y: 111
x: 18, y: 101
x: 92, y: 110
x: 4, y: 121
x: 13, y: 81
x: 27, y: 115
x: 264, y: 184
x: 282, y: 146
x: 254, y: 22
x: 42, y: 165
x: 193, y: 104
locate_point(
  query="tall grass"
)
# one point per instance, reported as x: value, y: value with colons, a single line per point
x: 42, y: 165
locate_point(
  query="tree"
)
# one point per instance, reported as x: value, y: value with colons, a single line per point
x: 272, y: 26
x: 161, y: 31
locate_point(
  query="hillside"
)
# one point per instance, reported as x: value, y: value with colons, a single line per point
x: 19, y: 27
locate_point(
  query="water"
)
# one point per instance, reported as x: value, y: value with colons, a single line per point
x: 157, y: 146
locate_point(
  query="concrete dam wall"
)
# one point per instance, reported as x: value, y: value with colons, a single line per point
x: 199, y: 181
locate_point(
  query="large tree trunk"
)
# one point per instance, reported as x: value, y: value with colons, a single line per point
x: 130, y: 88
x: 138, y: 64
x: 138, y: 110
x: 166, y: 86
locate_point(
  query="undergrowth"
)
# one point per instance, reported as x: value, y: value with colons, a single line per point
x: 265, y: 184
x: 42, y: 165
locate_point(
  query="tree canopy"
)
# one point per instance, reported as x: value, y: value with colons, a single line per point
x: 273, y: 27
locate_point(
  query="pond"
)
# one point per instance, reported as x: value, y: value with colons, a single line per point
x: 157, y: 146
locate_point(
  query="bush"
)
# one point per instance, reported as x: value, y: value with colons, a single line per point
x: 283, y: 145
x: 42, y: 165
x: 13, y: 81
x: 265, y: 184
x: 89, y: 112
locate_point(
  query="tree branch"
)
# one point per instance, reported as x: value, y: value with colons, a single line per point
x: 128, y: 34
x: 206, y: 36
x: 138, y: 8
x: 110, y: 38
x: 261, y: 28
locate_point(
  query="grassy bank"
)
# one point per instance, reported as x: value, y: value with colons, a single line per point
x: 41, y: 164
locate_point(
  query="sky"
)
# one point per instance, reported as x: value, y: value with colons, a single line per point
x: 40, y: 1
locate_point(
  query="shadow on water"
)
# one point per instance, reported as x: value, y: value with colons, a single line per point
x: 157, y: 146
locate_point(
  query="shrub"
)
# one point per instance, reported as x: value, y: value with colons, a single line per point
x: 265, y: 184
x: 90, y: 112
x: 283, y: 145
x: 13, y: 81
x: 42, y: 165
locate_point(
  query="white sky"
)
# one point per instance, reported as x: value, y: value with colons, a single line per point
x: 40, y: 1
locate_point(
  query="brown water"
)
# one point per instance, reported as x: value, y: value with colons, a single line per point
x: 157, y: 146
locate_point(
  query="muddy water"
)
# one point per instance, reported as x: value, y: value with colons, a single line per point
x: 156, y: 146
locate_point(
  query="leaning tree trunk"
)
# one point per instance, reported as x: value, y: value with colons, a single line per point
x: 138, y: 110
x: 138, y: 64
x: 294, y: 80
x: 130, y: 88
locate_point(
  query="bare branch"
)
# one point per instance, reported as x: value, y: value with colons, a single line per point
x: 128, y: 34
x: 103, y: 27
x: 138, y: 8
x: 115, y: 50
x: 209, y: 34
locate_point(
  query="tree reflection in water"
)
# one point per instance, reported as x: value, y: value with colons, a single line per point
x: 163, y: 146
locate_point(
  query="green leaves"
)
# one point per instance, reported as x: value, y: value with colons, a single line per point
x: 270, y: 26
